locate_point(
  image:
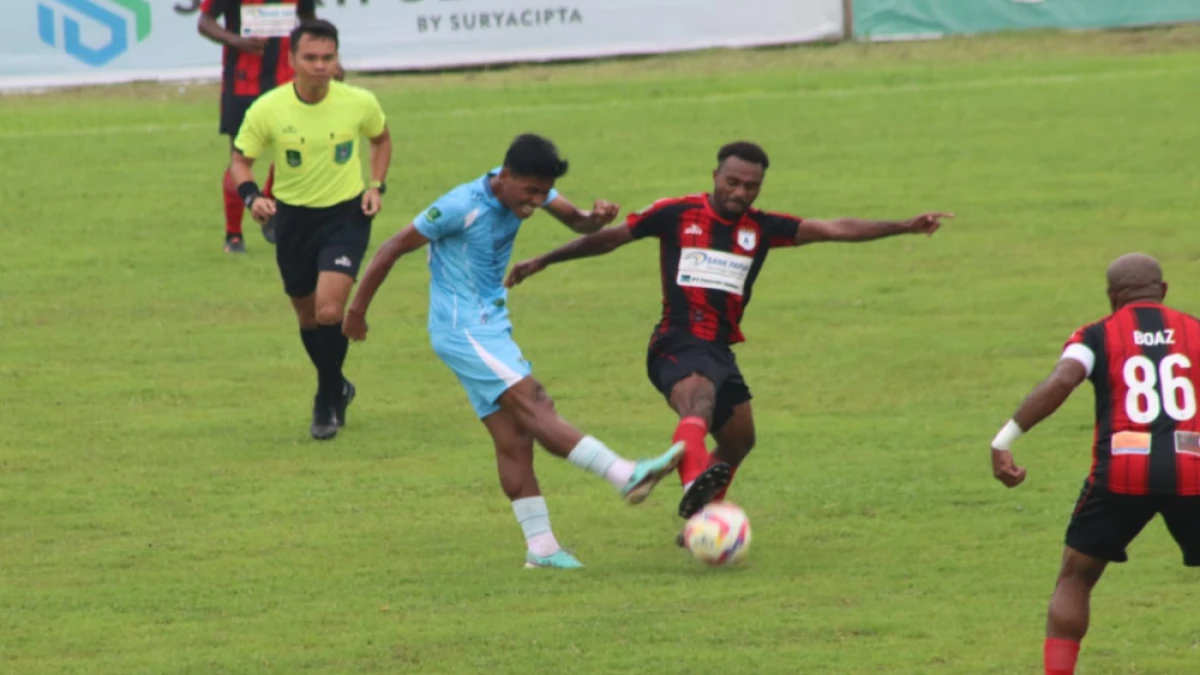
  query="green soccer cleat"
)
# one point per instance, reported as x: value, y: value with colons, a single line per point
x: 647, y: 473
x: 560, y: 559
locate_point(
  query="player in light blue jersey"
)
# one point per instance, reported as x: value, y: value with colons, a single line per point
x: 470, y: 231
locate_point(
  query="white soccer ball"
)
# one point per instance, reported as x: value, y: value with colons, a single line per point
x: 719, y: 534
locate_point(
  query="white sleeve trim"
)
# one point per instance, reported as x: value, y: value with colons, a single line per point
x: 1081, y: 353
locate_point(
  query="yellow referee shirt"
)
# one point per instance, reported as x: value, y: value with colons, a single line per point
x: 314, y: 146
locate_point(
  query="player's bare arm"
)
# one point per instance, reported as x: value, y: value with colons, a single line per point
x: 597, y: 243
x: 240, y: 168
x: 857, y: 229
x: 354, y: 326
x: 209, y: 27
x: 381, y: 158
x: 584, y: 222
x: 1039, y: 404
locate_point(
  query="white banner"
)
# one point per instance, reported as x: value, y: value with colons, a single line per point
x: 46, y: 43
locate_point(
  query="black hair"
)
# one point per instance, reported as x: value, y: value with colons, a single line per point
x: 534, y: 156
x: 317, y: 28
x: 744, y: 150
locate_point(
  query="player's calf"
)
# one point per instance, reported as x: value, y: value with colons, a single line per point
x: 693, y: 398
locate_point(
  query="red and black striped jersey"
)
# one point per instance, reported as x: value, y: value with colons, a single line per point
x: 1142, y: 361
x: 246, y: 74
x: 709, y: 264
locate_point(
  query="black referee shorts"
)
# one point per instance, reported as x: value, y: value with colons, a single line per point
x: 309, y: 241
x: 675, y: 356
x: 1104, y: 522
x: 233, y: 111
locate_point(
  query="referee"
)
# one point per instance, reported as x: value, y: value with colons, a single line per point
x: 322, y: 208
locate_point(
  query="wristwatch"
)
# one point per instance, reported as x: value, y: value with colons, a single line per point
x: 378, y: 185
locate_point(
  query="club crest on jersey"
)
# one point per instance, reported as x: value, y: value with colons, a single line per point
x: 293, y: 158
x: 343, y: 151
x: 1157, y: 338
x: 747, y: 238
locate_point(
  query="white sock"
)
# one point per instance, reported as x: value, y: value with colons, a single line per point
x: 534, y: 519
x: 596, y: 457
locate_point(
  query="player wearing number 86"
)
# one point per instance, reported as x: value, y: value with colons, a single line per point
x: 1143, y: 362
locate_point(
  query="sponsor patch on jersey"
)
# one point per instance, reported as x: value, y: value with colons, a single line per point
x: 268, y: 21
x: 716, y: 270
x: 1187, y: 443
x: 1130, y: 443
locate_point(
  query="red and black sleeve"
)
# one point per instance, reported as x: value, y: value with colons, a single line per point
x: 780, y: 229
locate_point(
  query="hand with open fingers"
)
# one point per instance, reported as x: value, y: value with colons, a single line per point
x: 603, y: 212
x: 927, y: 223
x: 523, y: 270
x: 372, y: 202
x: 354, y: 326
x: 1005, y: 470
x: 261, y: 209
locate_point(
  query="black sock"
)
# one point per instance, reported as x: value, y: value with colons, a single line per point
x: 330, y: 353
x: 309, y: 337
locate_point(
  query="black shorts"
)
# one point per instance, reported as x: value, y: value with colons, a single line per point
x: 309, y: 241
x: 233, y: 111
x: 673, y: 357
x: 1104, y: 523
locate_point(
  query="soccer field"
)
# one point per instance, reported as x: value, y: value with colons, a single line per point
x: 164, y: 511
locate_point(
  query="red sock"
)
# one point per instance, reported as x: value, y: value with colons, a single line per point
x: 1060, y: 656
x: 270, y: 183
x: 713, y: 459
x: 691, y: 431
x: 234, y: 208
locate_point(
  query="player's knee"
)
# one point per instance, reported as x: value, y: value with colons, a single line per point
x: 542, y: 413
x: 329, y: 315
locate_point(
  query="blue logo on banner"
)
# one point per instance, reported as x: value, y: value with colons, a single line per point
x: 120, y: 27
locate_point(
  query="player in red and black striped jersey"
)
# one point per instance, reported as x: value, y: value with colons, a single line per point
x: 250, y: 67
x: 711, y: 249
x: 1143, y: 361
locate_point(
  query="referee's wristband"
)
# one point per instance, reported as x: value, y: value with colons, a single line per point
x: 1010, y: 433
x: 249, y: 191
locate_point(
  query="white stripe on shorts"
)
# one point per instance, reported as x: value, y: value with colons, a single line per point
x: 498, y: 367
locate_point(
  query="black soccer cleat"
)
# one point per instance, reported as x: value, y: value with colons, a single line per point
x: 704, y: 488
x: 234, y: 244
x: 348, y: 392
x: 324, y: 421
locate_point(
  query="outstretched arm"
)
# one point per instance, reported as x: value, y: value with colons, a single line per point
x: 1039, y: 404
x: 857, y: 229
x: 404, y: 241
x: 597, y: 243
x: 583, y: 222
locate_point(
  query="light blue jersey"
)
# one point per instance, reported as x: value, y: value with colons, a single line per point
x: 471, y: 237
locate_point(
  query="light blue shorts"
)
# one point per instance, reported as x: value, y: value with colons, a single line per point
x: 487, y: 362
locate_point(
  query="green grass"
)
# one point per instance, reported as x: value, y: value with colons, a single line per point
x: 162, y: 509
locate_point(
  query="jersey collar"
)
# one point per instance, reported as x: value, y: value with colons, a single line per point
x: 716, y: 216
x: 485, y: 186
